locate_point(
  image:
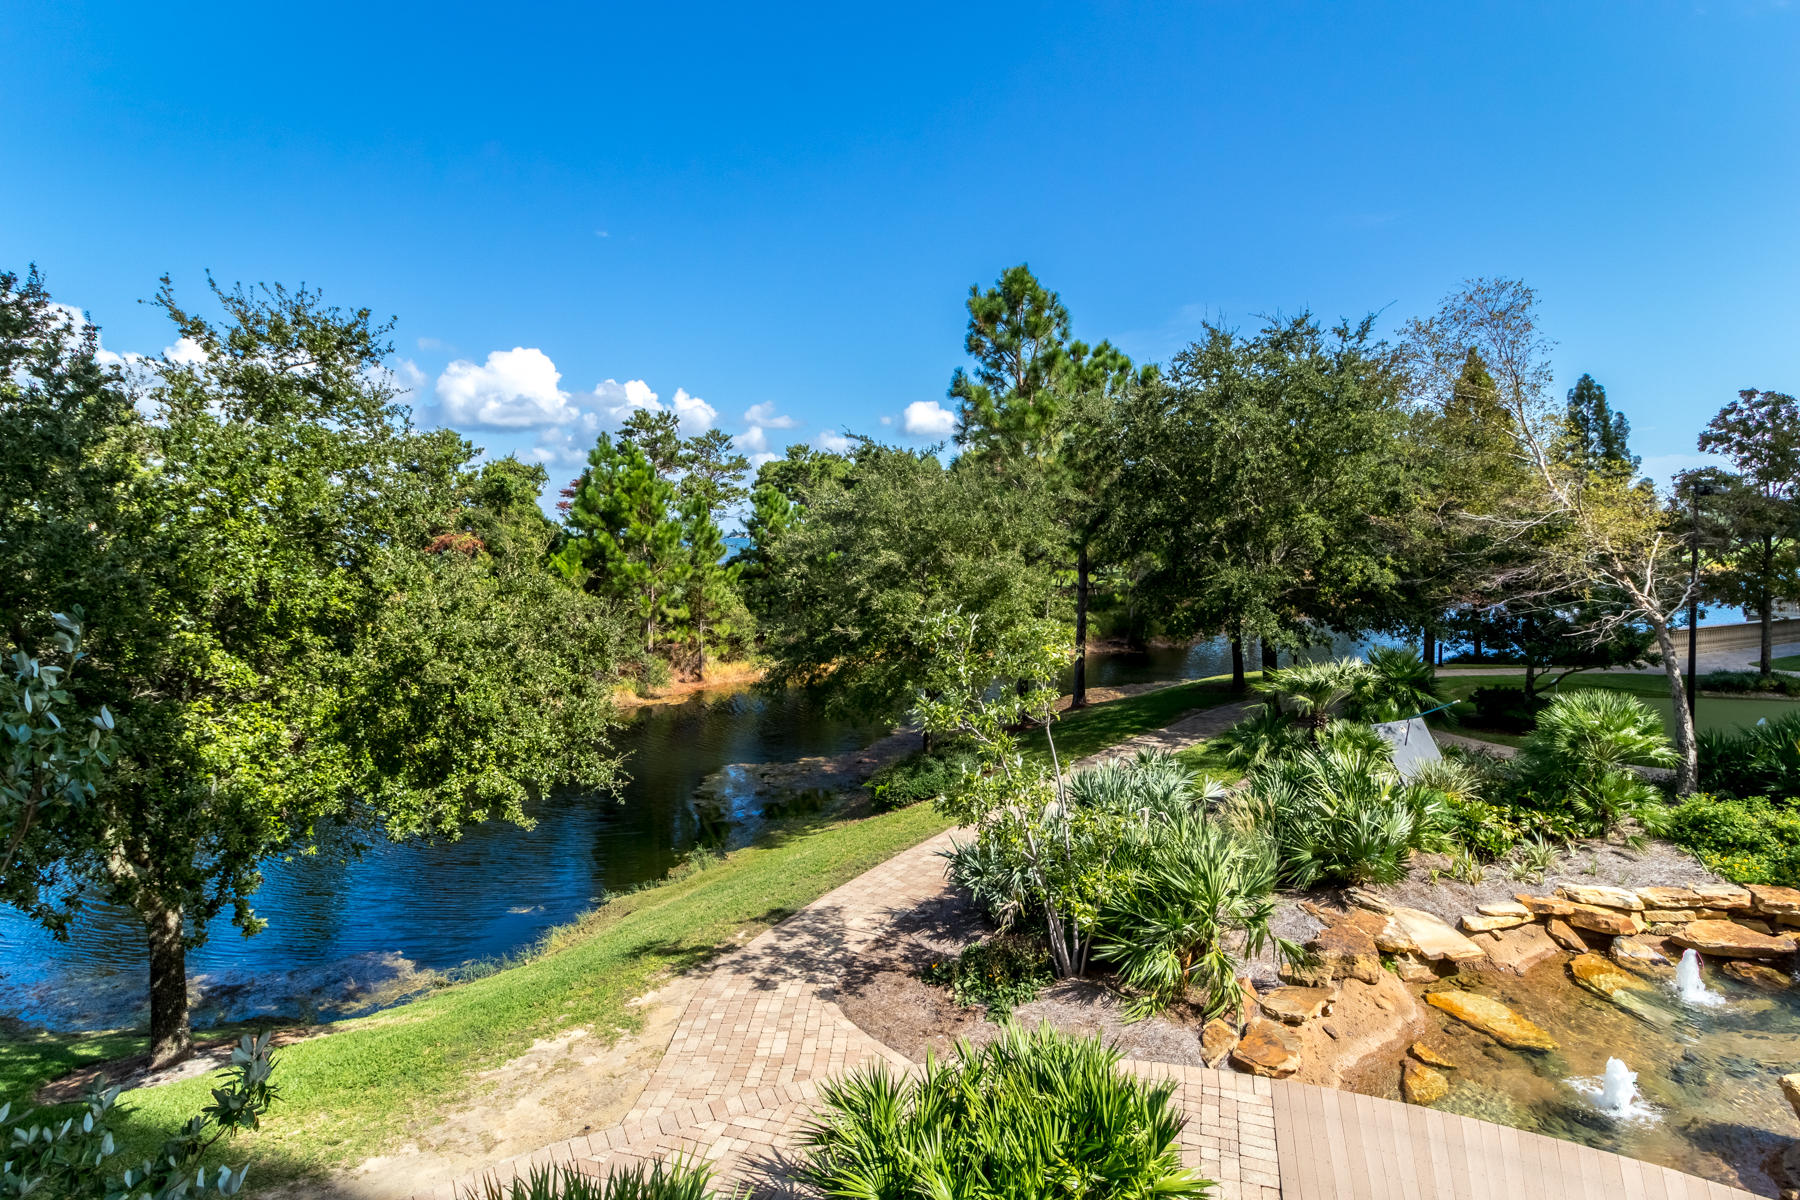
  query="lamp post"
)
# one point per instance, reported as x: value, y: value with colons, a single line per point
x: 1695, y: 491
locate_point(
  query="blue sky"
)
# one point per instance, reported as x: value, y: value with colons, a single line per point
x: 771, y: 217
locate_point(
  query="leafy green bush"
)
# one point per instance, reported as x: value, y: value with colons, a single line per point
x: 1031, y: 1116
x: 1341, y: 815
x: 999, y: 974
x: 1265, y: 733
x: 1505, y: 709
x: 1578, y: 760
x: 1400, y: 685
x: 1747, y: 841
x: 664, y: 1179
x: 922, y: 777
x: 1763, y: 760
x: 1775, y: 682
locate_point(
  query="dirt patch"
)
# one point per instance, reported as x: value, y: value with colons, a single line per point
x: 723, y: 678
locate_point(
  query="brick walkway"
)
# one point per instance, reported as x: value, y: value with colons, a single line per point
x: 742, y: 1071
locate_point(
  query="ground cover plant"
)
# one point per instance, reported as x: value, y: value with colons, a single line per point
x: 1031, y: 1116
x: 664, y: 1179
x: 998, y: 974
x: 1763, y: 760
x: 1754, y: 840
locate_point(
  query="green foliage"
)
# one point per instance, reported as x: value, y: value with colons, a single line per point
x: 662, y: 1179
x: 1506, y: 709
x: 998, y: 974
x: 1264, y: 734
x: 1401, y: 685
x: 1315, y: 692
x: 931, y: 776
x: 74, y: 1158
x: 1578, y: 759
x: 1763, y: 760
x: 1340, y: 815
x: 1754, y: 840
x: 1596, y: 438
x: 1031, y: 1116
x: 625, y: 538
x: 1778, y: 683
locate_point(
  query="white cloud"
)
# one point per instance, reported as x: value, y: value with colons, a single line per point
x: 836, y: 443
x: 514, y: 389
x: 753, y: 440
x: 928, y: 418
x: 695, y: 414
x: 617, y: 399
x: 764, y: 414
x: 431, y: 343
x: 185, y: 352
x: 758, y: 459
x: 887, y: 420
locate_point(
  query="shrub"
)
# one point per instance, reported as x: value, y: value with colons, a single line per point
x: 675, y: 1179
x: 1763, y: 760
x: 1747, y: 841
x: 995, y: 876
x: 1341, y: 816
x: 1264, y: 734
x: 1400, y: 685
x: 1506, y: 709
x: 1031, y: 1116
x: 1578, y: 760
x: 1196, y: 898
x: 999, y: 974
x: 1775, y: 682
x: 1314, y: 692
x: 923, y: 777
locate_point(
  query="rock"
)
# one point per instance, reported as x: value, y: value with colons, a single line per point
x: 1492, y: 1018
x: 1413, y: 931
x: 1790, y: 1087
x: 1723, y: 895
x: 1606, y: 920
x: 1330, y: 1030
x: 1267, y: 1048
x: 1671, y: 916
x: 1728, y: 939
x: 1564, y: 936
x: 1601, y: 897
x: 1670, y: 897
x: 1368, y: 900
x: 1217, y: 1040
x: 1770, y: 900
x: 1757, y: 975
x: 1518, y: 950
x: 1787, y: 920
x: 1762, y: 927
x: 1603, y: 977
x: 1428, y: 1056
x: 1344, y: 949
x: 1413, y: 969
x: 1369, y: 1024
x: 1632, y: 953
x: 1503, y: 908
x: 1485, y: 924
x: 1422, y: 1085
x: 1296, y: 1005
x: 1714, y: 914
x: 1545, y: 906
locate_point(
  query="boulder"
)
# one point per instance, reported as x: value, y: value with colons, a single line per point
x: 1492, y: 1018
x: 1428, y: 1056
x: 1216, y: 1041
x: 1368, y: 900
x: 1503, y: 908
x: 1723, y: 895
x: 1545, y: 906
x: 1757, y: 975
x: 1603, y: 977
x: 1518, y: 950
x: 1606, y: 920
x: 1476, y: 923
x: 1344, y: 949
x: 1753, y: 923
x: 1267, y: 1048
x: 1297, y: 1005
x: 1728, y: 939
x: 1564, y: 936
x: 1671, y: 897
x: 1414, y: 931
x: 1772, y: 901
x: 1422, y: 1085
x: 1671, y: 916
x: 1790, y: 1087
x: 1413, y: 969
x: 1601, y: 896
x: 1631, y: 952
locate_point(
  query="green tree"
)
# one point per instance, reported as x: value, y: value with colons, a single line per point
x: 1018, y: 334
x: 657, y: 433
x: 625, y: 537
x: 777, y: 503
x: 712, y: 609
x: 1598, y: 437
x: 714, y: 471
x: 1760, y: 433
x: 246, y: 554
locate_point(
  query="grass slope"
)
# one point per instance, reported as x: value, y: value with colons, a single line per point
x: 377, y: 1079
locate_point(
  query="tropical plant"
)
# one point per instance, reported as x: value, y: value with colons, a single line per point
x: 1263, y: 734
x: 1753, y: 840
x: 1763, y: 760
x: 1151, y: 783
x: 1399, y: 685
x: 1030, y: 1116
x: 661, y: 1179
x: 998, y: 974
x: 1195, y: 902
x: 995, y: 876
x: 72, y: 1158
x: 1578, y: 760
x: 1532, y: 858
x: 1341, y: 816
x: 1314, y: 692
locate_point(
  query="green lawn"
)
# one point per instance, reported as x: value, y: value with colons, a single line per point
x: 1714, y: 712
x: 1785, y: 662
x: 377, y: 1079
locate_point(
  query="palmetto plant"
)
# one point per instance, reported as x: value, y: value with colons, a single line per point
x: 1400, y: 685
x: 1313, y: 692
x: 1031, y: 1116
x: 1265, y: 733
x: 1579, y: 757
x: 664, y: 1179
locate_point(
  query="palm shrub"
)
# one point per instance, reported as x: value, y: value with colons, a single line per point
x: 1398, y: 684
x: 1578, y: 760
x: 1265, y: 733
x: 1314, y: 692
x: 663, y: 1179
x: 1341, y: 815
x: 1031, y: 1116
x: 1763, y: 760
x: 1195, y: 901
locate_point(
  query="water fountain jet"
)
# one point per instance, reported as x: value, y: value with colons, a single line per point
x: 1689, y: 986
x: 1618, y: 1088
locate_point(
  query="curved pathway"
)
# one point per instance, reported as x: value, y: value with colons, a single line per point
x: 743, y: 1067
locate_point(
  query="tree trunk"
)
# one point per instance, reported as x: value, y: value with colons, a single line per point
x: 1430, y: 646
x: 1268, y: 656
x: 1237, y: 664
x: 1767, y: 662
x: 1078, y: 694
x: 171, y: 1039
x: 700, y: 654
x: 1687, y: 770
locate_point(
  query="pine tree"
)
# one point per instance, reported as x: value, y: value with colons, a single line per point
x: 1597, y: 438
x: 625, y: 536
x: 708, y: 597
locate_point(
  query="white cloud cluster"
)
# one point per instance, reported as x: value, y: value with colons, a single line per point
x: 765, y: 416
x: 928, y: 418
x: 515, y: 389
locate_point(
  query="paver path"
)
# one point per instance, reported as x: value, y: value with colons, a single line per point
x: 743, y: 1068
